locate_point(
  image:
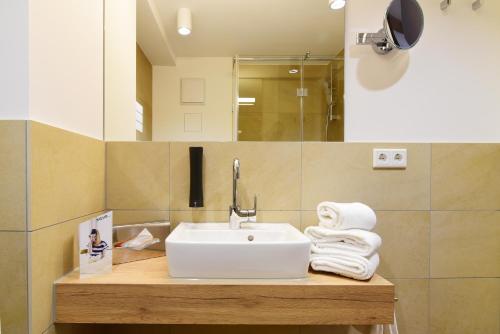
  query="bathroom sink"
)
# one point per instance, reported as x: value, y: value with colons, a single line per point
x: 256, y: 250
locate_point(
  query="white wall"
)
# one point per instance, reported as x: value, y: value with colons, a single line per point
x: 14, y: 59
x: 445, y: 89
x: 65, y: 64
x: 216, y: 113
x: 120, y: 64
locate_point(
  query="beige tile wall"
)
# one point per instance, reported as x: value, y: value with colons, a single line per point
x: 12, y: 175
x: 54, y: 252
x: 439, y: 218
x: 262, y: 165
x: 14, y: 282
x: 50, y: 180
x: 465, y: 239
x: 13, y: 235
x: 137, y: 176
x: 343, y: 172
x: 66, y: 175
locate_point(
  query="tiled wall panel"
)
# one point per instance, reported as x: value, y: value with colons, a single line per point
x: 13, y: 175
x: 438, y: 218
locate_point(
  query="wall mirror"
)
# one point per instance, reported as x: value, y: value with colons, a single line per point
x: 224, y: 70
x: 402, y: 28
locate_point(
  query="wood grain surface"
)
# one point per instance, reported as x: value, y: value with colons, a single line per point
x: 143, y: 293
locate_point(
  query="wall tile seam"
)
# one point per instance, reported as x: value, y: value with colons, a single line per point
x: 27, y: 178
x: 105, y: 172
x: 66, y: 221
x: 429, y: 263
x: 301, y: 185
x: 28, y: 225
x: 285, y: 210
x: 170, y: 180
x: 465, y: 277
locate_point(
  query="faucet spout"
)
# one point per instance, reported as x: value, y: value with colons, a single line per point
x: 236, y: 176
x: 237, y: 215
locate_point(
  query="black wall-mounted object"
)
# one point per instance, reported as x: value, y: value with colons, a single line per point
x: 196, y: 177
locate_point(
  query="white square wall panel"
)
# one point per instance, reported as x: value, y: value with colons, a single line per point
x: 193, y: 90
x: 192, y: 122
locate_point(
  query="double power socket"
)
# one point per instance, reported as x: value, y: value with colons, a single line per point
x: 390, y: 158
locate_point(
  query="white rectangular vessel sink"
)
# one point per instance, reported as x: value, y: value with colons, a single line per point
x: 257, y: 250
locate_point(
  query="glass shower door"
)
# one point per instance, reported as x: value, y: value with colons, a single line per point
x: 268, y: 102
x: 323, y: 101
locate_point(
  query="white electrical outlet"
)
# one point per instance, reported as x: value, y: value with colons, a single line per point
x: 390, y: 158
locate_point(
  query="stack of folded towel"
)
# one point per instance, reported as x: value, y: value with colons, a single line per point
x: 343, y: 243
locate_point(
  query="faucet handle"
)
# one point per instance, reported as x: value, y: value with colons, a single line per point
x: 253, y: 212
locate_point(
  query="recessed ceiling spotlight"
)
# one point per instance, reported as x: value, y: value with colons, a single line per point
x: 184, y: 21
x: 336, y: 4
x: 246, y: 101
x: 293, y: 71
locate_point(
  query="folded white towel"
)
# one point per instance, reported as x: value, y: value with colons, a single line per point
x: 344, y: 216
x: 346, y: 264
x: 328, y: 241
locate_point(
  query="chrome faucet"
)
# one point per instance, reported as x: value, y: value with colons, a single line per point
x: 237, y: 215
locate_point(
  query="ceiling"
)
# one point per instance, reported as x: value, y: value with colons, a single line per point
x: 224, y: 28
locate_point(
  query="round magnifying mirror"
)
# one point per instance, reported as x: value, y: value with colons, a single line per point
x: 404, y: 23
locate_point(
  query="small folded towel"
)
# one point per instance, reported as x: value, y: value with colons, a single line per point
x: 344, y: 216
x: 327, y: 241
x: 346, y: 264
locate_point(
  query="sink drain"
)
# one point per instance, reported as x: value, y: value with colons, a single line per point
x: 250, y: 238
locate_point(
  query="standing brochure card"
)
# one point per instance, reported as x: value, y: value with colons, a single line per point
x: 95, y: 244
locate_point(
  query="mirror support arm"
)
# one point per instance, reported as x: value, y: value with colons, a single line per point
x: 377, y: 40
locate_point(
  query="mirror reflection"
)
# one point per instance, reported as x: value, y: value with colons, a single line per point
x: 224, y: 70
x: 404, y: 23
x: 286, y: 100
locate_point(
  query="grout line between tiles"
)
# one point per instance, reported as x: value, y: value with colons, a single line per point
x: 106, y: 176
x: 429, y: 296
x: 301, y: 183
x: 170, y: 179
x: 27, y: 235
x: 66, y: 221
x: 29, y: 286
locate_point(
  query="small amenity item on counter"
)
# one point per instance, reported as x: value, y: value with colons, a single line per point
x: 95, y: 244
x: 344, y: 216
x: 139, y: 241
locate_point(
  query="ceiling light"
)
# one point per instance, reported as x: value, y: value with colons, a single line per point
x: 246, y: 101
x: 293, y: 71
x: 184, y: 21
x: 336, y: 4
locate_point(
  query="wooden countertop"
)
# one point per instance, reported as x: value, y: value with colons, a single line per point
x: 143, y: 293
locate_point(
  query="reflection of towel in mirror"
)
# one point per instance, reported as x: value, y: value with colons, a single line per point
x: 346, y: 264
x: 343, y: 216
x: 326, y: 241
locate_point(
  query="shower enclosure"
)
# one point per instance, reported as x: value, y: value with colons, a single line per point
x: 296, y: 98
